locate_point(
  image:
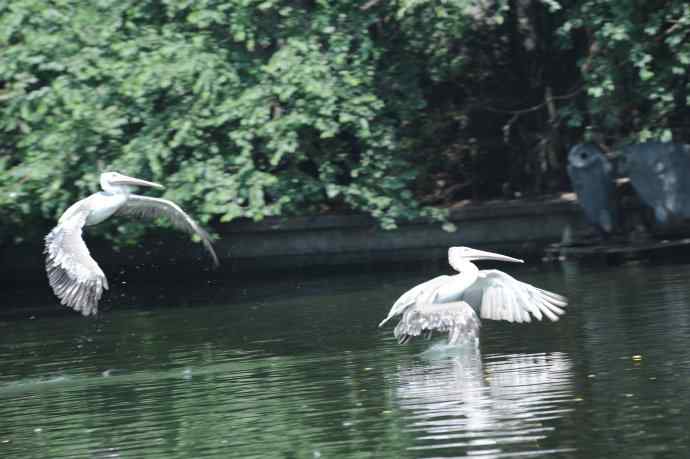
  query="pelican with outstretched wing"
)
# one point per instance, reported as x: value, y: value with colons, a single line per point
x: 451, y: 303
x: 74, y: 275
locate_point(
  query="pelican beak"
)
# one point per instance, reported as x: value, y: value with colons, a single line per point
x: 482, y: 255
x: 466, y: 253
x: 131, y: 181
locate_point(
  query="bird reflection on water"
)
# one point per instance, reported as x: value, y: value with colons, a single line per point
x: 460, y: 403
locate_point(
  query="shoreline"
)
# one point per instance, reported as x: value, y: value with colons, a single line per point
x: 521, y: 227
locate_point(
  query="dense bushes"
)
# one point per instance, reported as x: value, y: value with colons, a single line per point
x: 249, y: 108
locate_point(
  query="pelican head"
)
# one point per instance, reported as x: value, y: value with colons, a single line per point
x: 457, y: 256
x: 116, y: 182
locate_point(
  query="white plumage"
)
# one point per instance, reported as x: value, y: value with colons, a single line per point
x: 499, y: 296
x: 490, y: 293
x: 73, y: 274
x: 458, y: 319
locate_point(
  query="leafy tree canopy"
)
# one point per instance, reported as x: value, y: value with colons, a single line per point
x: 255, y: 108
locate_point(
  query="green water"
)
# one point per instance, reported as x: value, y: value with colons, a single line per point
x: 296, y: 368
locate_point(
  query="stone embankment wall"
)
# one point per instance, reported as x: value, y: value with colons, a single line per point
x: 520, y: 228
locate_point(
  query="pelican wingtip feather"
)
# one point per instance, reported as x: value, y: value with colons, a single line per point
x: 72, y: 283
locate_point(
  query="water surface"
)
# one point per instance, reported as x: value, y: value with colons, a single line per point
x: 297, y: 368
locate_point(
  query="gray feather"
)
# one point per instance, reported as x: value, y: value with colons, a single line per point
x: 73, y: 274
x: 153, y: 208
x: 458, y: 319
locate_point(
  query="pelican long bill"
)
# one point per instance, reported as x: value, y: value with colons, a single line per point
x: 126, y: 180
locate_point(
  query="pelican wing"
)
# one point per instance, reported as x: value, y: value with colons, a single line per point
x: 73, y: 274
x: 409, y: 298
x: 458, y: 319
x: 499, y: 296
x: 152, y: 208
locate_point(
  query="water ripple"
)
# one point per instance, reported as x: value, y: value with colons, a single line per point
x: 304, y: 372
x: 500, y: 401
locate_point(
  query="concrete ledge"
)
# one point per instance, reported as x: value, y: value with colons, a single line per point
x: 463, y: 212
x: 519, y: 227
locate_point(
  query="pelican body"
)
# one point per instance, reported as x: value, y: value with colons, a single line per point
x: 451, y: 303
x: 74, y: 275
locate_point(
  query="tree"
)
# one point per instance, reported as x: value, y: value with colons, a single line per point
x: 255, y: 108
x: 243, y: 108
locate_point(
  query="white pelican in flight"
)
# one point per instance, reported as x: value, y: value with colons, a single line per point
x: 451, y: 303
x: 73, y: 274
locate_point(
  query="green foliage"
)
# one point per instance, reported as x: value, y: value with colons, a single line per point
x: 255, y: 108
x: 511, y: 85
x: 242, y: 108
x: 634, y: 67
